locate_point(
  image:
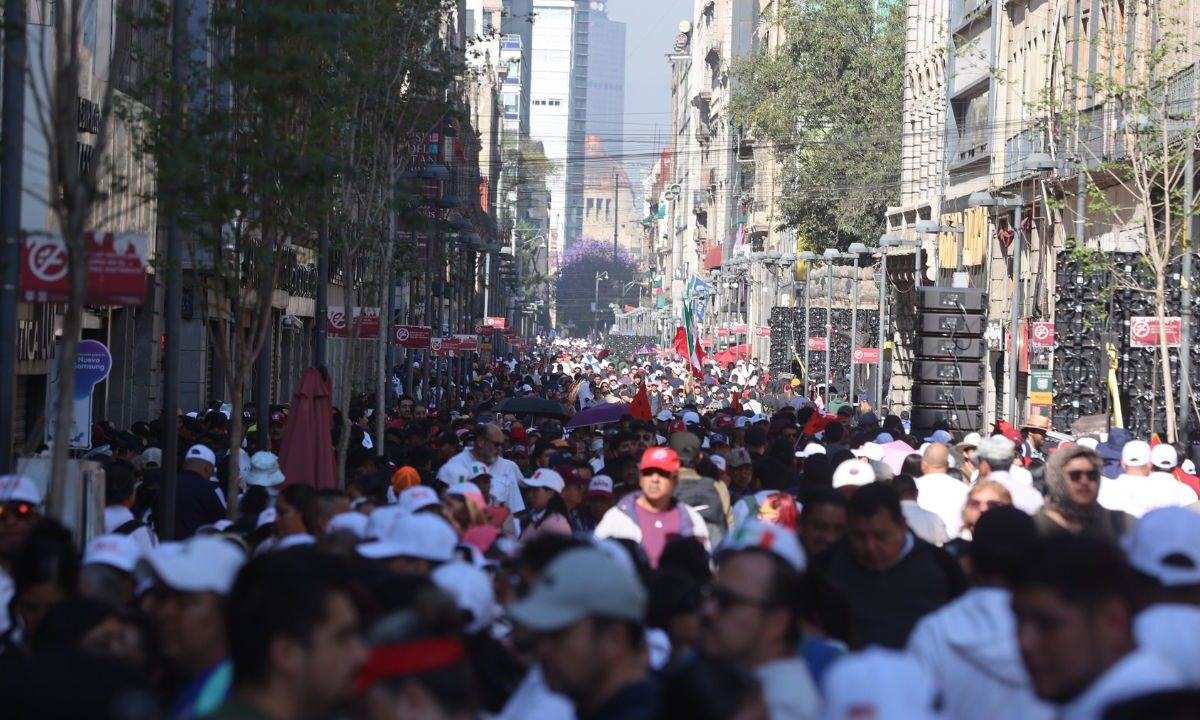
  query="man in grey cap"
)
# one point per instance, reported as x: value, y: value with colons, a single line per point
x: 586, y: 612
x: 707, y: 496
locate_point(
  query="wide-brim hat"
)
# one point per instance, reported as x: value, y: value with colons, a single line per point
x: 1036, y: 422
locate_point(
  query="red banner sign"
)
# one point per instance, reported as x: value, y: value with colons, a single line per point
x: 116, y: 269
x: 482, y: 330
x: 1145, y: 332
x: 496, y: 322
x: 1041, y: 334
x: 706, y: 342
x: 865, y: 355
x: 368, y: 320
x: 412, y: 336
x: 817, y: 343
x: 763, y: 331
x: 740, y: 329
x: 722, y: 332
x: 466, y: 342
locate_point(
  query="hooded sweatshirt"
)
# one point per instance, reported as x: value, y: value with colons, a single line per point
x: 970, y: 647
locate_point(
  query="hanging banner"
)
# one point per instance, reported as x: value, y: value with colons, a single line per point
x: 762, y: 331
x: 466, y: 342
x: 740, y: 329
x: 116, y: 269
x: 722, y: 332
x: 1144, y: 331
x: 496, y: 322
x: 92, y: 365
x: 818, y: 343
x: 865, y: 355
x: 412, y: 336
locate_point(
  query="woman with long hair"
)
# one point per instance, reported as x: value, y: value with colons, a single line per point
x: 548, y: 512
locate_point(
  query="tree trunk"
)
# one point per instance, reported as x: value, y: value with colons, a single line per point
x: 236, y: 431
x: 382, y: 372
x: 65, y: 412
x: 1164, y: 357
x: 348, y: 355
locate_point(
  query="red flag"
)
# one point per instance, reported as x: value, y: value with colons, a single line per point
x: 639, y: 409
x: 735, y: 401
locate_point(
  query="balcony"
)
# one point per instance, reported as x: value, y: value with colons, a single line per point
x: 1020, y: 146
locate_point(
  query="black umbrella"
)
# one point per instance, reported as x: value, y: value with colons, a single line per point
x: 533, y: 406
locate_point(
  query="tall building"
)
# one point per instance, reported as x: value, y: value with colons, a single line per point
x: 558, y: 108
x: 606, y: 80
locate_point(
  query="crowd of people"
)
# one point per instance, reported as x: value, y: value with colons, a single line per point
x: 729, y: 548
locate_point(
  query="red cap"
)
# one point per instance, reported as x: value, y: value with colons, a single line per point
x: 659, y: 458
x: 675, y: 426
x: 518, y: 434
x: 278, y: 417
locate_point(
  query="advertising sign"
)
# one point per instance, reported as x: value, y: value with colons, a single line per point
x: 1041, y: 334
x: 496, y: 322
x: 116, y: 269
x: 1144, y: 331
x: 92, y: 365
x: 762, y: 331
x: 412, y: 336
x: 368, y: 320
x: 865, y: 355
x: 817, y: 343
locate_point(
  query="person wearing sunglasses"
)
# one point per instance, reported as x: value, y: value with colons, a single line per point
x: 1072, y: 498
x: 19, y: 502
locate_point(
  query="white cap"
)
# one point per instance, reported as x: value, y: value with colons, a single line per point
x: 201, y: 452
x: 472, y: 591
x: 691, y: 417
x: 881, y: 685
x: 871, y: 451
x: 664, y: 416
x: 1135, y: 453
x: 1164, y: 457
x: 1165, y: 544
x: 717, y: 460
x: 853, y: 473
x: 754, y: 534
x: 1090, y: 443
x: 119, y: 551
x: 468, y: 491
x: 423, y: 536
x: 418, y: 497
x: 152, y: 457
x: 600, y: 485
x: 380, y: 521
x: 545, y: 478
x: 351, y: 522
x: 741, y: 421
x: 19, y: 489
x: 199, y: 564
x: 810, y: 450
x: 266, y: 517
x: 1188, y: 466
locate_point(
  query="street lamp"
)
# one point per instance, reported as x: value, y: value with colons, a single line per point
x: 602, y: 275
x: 854, y: 252
x: 830, y: 255
x: 996, y: 200
x: 885, y: 242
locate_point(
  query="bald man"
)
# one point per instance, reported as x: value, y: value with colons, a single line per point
x: 486, y: 455
x: 939, y: 493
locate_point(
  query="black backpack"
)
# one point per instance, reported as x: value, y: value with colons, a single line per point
x: 702, y: 496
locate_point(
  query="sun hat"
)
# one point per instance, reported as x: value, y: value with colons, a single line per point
x: 264, y: 470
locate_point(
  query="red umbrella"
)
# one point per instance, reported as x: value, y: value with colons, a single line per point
x: 733, y: 354
x: 306, y: 454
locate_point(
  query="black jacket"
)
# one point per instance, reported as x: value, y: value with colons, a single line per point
x: 196, y: 504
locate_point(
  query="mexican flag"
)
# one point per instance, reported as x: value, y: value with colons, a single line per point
x: 687, y: 344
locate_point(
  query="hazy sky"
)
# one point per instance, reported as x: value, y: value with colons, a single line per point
x: 650, y: 29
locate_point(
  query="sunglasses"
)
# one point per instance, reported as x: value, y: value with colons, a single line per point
x: 1081, y: 475
x: 16, y: 511
x: 986, y: 504
x: 726, y: 599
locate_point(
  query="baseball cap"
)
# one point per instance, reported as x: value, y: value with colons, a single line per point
x: 472, y: 591
x: 1135, y: 453
x: 691, y: 417
x: 351, y: 522
x: 545, y: 478
x: 578, y: 583
x: 754, y: 534
x: 418, y: 498
x: 118, y: 551
x: 468, y: 491
x: 278, y: 417
x: 940, y: 436
x: 871, y: 451
x: 737, y: 457
x: 199, y: 564
x: 152, y: 457
x: 423, y: 536
x: 600, y: 486
x: 201, y: 452
x: 1165, y: 544
x: 380, y: 521
x: 970, y: 441
x: 20, y: 489
x: 659, y: 458
x: 879, y: 684
x: 664, y: 416
x: 1164, y: 456
x: 810, y: 450
x: 853, y: 473
x: 686, y: 445
x: 719, y: 462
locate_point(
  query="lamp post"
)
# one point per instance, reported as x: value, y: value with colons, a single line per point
x: 602, y: 275
x: 987, y: 199
x: 808, y: 258
x: 854, y: 252
x: 830, y: 255
x: 885, y: 241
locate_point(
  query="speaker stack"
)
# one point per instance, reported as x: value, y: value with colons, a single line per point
x: 948, y: 359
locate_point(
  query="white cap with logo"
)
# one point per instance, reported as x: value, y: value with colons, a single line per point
x: 19, y: 489
x: 118, y: 551
x: 199, y: 564
x: 853, y: 473
x: 1165, y: 544
x: 754, y: 534
x: 545, y: 478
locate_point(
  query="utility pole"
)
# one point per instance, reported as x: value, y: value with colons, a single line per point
x: 12, y: 149
x: 616, y: 211
x: 321, y: 326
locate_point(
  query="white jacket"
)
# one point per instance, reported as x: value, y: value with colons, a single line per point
x: 619, y: 522
x: 1173, y: 633
x: 970, y: 647
x: 1139, y: 673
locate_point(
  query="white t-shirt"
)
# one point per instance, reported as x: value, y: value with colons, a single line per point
x: 1138, y: 495
x: 506, y: 477
x: 945, y: 497
x: 117, y: 515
